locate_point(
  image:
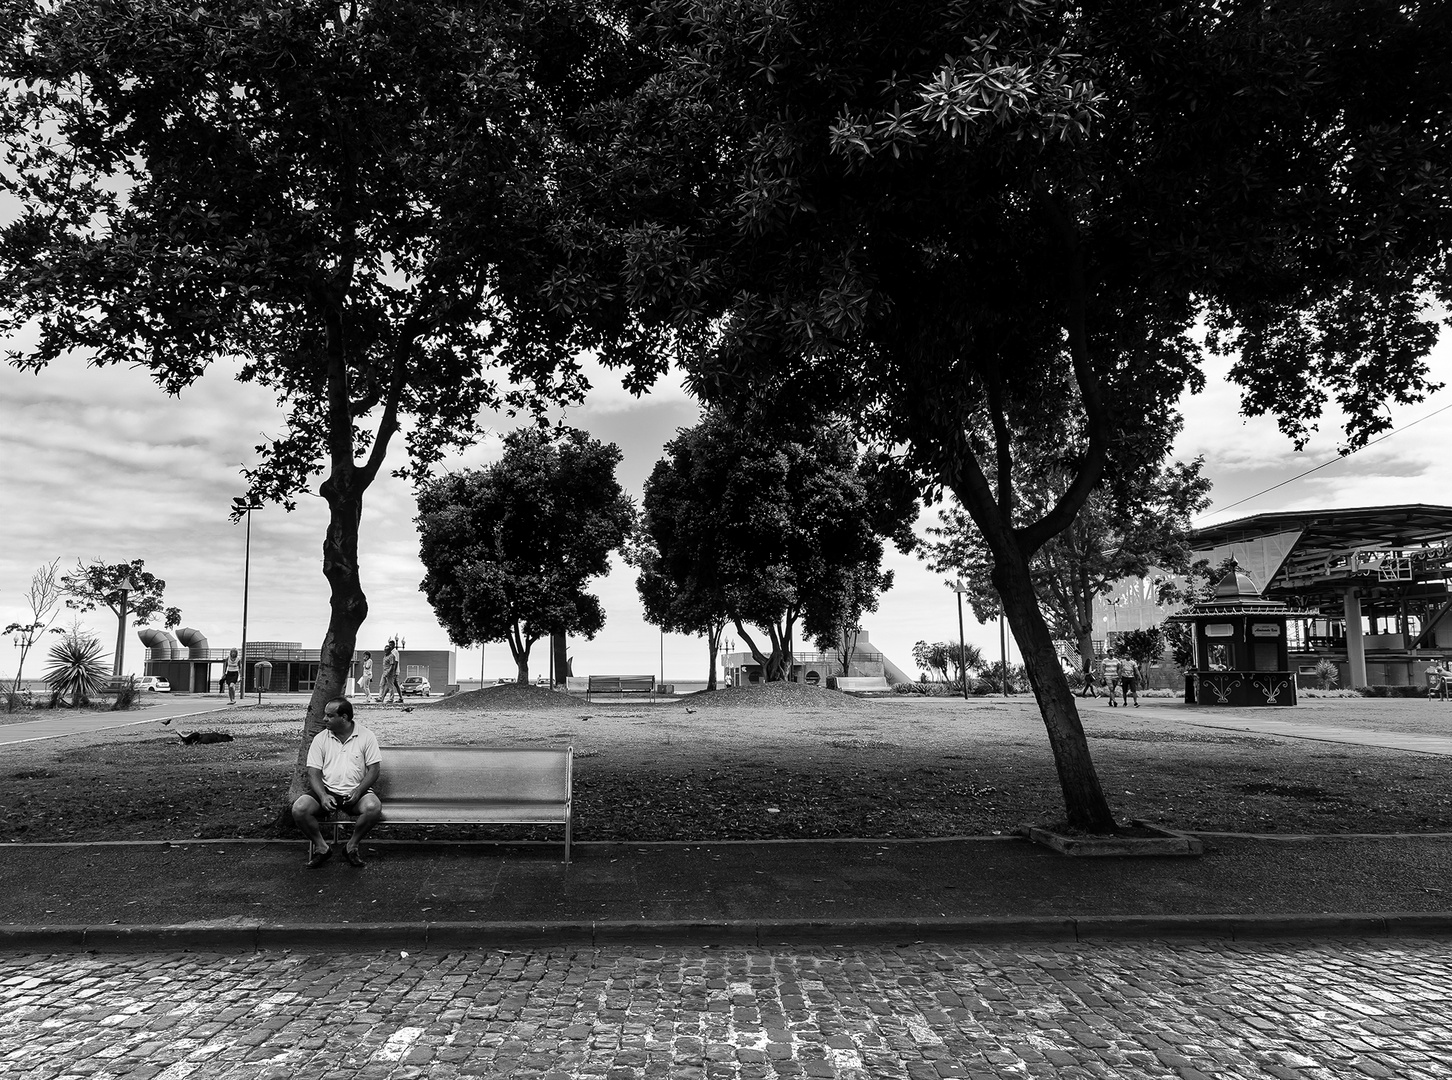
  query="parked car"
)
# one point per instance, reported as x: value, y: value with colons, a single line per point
x: 154, y: 683
x: 417, y: 684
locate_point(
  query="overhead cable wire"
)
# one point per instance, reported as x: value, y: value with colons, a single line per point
x: 1329, y: 461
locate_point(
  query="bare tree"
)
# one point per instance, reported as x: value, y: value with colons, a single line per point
x: 44, y: 601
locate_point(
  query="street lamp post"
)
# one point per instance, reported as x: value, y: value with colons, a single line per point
x: 125, y: 588
x: 1003, y: 651
x: 245, y: 506
x: 960, y: 589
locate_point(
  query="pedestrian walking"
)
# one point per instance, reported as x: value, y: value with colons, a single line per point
x: 1089, y: 689
x: 390, y: 687
x: 1128, y: 681
x: 1109, y: 674
x: 368, y: 678
x: 231, y: 671
x: 1438, y: 675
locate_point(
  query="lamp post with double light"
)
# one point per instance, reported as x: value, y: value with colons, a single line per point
x: 960, y: 589
x: 126, y: 587
x: 245, y: 506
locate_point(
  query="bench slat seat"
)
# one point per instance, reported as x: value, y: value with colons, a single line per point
x: 474, y: 785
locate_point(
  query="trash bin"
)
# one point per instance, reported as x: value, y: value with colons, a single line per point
x: 262, y: 677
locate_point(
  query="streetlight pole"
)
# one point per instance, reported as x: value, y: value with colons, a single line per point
x: 1003, y: 651
x: 246, y: 506
x: 960, y: 589
x: 126, y: 587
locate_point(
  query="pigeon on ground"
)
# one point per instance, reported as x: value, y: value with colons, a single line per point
x: 584, y: 718
x: 165, y: 722
x: 689, y: 709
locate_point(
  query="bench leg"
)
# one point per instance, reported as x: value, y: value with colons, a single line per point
x: 567, y: 841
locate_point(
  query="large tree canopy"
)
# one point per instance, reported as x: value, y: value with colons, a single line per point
x: 1144, y: 528
x: 777, y: 528
x: 947, y: 219
x: 509, y: 549
x: 125, y: 589
x: 357, y: 199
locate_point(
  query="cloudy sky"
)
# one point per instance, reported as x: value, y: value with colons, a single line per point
x: 100, y: 465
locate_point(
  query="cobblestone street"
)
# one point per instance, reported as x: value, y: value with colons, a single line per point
x: 1180, y: 1009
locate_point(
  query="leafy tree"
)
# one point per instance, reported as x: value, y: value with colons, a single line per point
x: 684, y: 607
x: 1180, y: 637
x: 509, y: 548
x: 937, y: 657
x: 932, y: 658
x: 76, y: 668
x: 355, y: 199
x: 1142, y: 528
x: 773, y: 528
x: 97, y: 584
x: 1143, y: 646
x: 43, y: 598
x: 953, y: 223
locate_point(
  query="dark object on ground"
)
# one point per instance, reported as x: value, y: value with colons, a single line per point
x: 190, y: 737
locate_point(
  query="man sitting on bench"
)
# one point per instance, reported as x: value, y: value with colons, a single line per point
x: 343, y: 764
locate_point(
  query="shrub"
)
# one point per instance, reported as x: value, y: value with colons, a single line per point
x: 125, y: 693
x: 1327, y: 675
x: 1380, y: 691
x: 15, y: 700
x: 75, y: 669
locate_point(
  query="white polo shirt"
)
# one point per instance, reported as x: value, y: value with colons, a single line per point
x: 345, y: 762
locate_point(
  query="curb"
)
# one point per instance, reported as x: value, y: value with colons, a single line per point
x: 258, y: 936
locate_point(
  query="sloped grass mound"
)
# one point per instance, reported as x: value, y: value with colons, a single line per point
x: 506, y: 697
x: 777, y: 695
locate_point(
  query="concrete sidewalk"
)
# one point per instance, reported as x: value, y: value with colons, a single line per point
x: 157, y: 707
x: 1302, y: 729
x: 257, y: 894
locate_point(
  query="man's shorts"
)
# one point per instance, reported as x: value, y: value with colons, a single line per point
x: 1127, y: 684
x: 346, y: 808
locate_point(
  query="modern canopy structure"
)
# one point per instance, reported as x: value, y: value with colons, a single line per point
x: 1377, y: 578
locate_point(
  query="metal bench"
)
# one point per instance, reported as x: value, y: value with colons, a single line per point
x: 473, y: 785
x: 621, y: 684
x: 859, y: 684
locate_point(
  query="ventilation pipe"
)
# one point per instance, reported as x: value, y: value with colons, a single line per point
x: 163, y: 642
x: 195, y: 641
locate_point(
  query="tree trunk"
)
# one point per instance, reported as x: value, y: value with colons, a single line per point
x: 1084, y: 799
x: 558, y: 644
x: 348, y: 609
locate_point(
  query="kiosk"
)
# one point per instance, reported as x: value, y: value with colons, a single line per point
x: 1241, y: 656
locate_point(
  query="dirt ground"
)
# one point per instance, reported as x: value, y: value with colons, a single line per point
x: 769, y: 763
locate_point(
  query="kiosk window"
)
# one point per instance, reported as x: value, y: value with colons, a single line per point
x: 1219, y: 657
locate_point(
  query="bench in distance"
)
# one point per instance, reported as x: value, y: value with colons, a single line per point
x: 473, y: 785
x: 621, y: 684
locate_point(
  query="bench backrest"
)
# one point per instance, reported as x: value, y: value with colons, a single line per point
x: 621, y: 683
x: 503, y: 773
x: 604, y: 682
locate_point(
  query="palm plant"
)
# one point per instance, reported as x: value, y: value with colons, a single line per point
x: 76, y: 668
